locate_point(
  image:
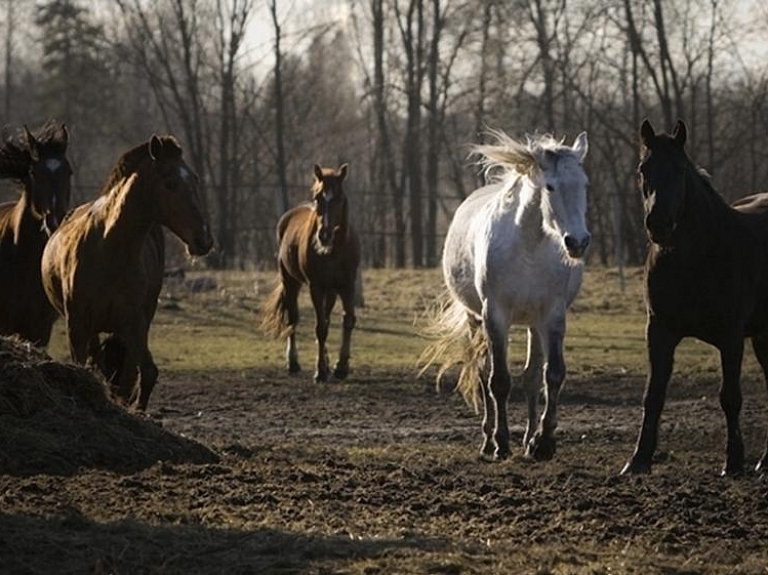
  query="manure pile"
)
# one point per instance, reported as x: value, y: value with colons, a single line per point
x: 56, y: 418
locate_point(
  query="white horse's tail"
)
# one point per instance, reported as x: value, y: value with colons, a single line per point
x: 458, y: 340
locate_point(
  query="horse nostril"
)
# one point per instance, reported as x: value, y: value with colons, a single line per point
x: 576, y: 247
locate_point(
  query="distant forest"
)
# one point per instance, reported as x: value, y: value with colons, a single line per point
x: 258, y: 91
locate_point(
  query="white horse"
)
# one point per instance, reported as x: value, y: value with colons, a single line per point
x: 513, y: 255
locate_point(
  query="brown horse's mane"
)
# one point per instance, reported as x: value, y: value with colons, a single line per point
x: 15, y: 159
x: 129, y: 162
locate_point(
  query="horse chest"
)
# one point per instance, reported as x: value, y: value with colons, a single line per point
x: 532, y: 285
x: 704, y: 298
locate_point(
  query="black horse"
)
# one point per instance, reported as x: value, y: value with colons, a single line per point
x: 706, y: 276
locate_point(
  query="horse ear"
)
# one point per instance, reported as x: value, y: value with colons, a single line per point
x: 646, y: 133
x: 680, y: 133
x: 343, y: 170
x: 31, y: 143
x: 155, y: 145
x: 64, y: 134
x: 318, y: 173
x: 580, y: 146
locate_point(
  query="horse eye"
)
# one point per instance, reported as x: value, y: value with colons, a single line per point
x: 550, y: 188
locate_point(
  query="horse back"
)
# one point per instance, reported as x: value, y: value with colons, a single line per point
x: 756, y: 204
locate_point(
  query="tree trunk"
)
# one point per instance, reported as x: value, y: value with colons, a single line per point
x: 282, y: 196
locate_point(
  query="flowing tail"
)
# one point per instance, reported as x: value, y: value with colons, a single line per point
x: 459, y: 340
x: 274, y: 313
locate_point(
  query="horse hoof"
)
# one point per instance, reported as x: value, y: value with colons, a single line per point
x: 541, y: 448
x: 341, y: 371
x: 732, y: 471
x: 321, y: 377
x: 294, y: 367
x: 636, y: 468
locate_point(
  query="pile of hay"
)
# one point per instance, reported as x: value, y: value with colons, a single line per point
x: 56, y: 418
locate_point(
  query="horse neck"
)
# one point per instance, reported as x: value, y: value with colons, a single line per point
x: 702, y: 211
x: 527, y: 208
x: 128, y: 217
x: 26, y: 224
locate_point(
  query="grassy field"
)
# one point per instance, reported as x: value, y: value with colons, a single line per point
x: 219, y: 328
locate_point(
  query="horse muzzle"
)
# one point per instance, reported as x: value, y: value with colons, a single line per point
x: 575, y: 246
x: 50, y: 223
x: 201, y: 245
x: 660, y: 234
x: 325, y: 236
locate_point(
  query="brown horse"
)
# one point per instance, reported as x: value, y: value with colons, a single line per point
x: 39, y: 164
x: 103, y: 268
x: 317, y: 247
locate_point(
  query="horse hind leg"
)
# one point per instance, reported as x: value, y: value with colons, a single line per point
x: 760, y: 346
x: 290, y: 302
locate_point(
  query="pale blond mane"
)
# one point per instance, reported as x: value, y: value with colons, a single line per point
x: 506, y: 157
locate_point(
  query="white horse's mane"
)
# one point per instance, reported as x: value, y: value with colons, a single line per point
x: 507, y: 157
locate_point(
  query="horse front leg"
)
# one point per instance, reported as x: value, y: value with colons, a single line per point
x: 730, y: 400
x: 78, y: 340
x: 341, y: 369
x: 321, y: 334
x: 148, y: 376
x: 534, y: 366
x: 496, y: 327
x: 661, y: 344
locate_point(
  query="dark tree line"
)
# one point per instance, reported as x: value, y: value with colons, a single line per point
x: 258, y: 92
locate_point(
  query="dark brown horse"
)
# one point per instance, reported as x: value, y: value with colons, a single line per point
x: 317, y: 247
x: 706, y: 277
x: 103, y: 268
x: 38, y: 162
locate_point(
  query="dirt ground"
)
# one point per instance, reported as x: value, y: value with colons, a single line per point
x: 381, y: 475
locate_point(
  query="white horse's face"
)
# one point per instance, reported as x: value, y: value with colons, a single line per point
x: 563, y: 185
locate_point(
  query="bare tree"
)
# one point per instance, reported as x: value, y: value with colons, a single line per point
x: 231, y: 20
x: 282, y: 198
x: 412, y: 32
x: 165, y: 41
x: 10, y: 30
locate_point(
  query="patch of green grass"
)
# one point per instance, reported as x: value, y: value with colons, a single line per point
x: 219, y: 328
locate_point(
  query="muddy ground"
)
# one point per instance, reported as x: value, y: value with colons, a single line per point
x: 381, y: 475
